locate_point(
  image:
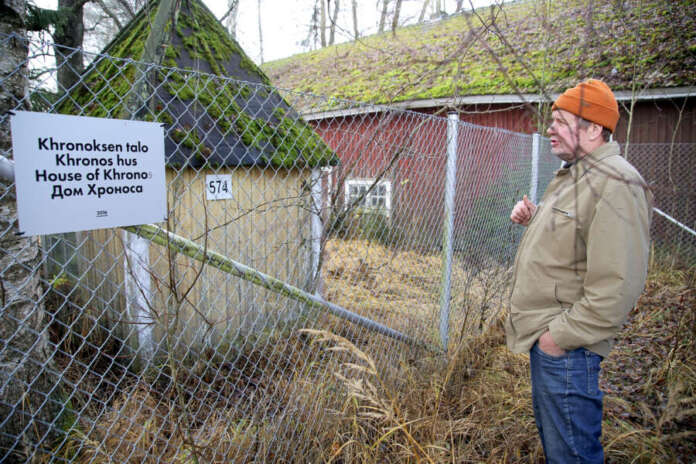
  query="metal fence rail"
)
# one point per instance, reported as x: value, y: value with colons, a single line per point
x: 122, y: 345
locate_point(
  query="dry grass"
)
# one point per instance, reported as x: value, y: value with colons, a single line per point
x: 347, y: 396
x: 475, y: 406
x: 401, y: 288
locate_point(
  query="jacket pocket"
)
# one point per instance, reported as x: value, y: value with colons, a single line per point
x: 565, y: 241
x: 563, y: 219
x: 563, y: 212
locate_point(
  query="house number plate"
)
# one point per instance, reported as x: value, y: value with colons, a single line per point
x: 218, y: 187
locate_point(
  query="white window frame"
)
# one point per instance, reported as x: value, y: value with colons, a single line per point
x: 367, y: 200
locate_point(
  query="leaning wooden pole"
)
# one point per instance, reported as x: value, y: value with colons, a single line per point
x: 195, y: 251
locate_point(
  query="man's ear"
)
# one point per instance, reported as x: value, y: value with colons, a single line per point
x: 595, y: 131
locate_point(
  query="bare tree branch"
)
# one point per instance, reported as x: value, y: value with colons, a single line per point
x: 232, y: 10
x: 421, y: 17
x: 110, y: 14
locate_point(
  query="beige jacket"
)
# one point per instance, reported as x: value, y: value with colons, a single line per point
x: 582, y: 262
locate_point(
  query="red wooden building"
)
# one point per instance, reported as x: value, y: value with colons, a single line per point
x: 501, y: 69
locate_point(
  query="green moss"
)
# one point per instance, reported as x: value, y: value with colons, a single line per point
x: 164, y: 117
x: 182, y: 91
x: 280, y: 141
x: 245, y: 92
x: 279, y: 112
x: 294, y: 137
x: 424, y: 62
x: 187, y: 137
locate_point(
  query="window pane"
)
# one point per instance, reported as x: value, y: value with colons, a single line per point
x: 377, y: 198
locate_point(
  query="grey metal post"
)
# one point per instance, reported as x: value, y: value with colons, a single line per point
x: 536, y: 144
x: 450, y: 189
x: 316, y: 227
x: 138, y: 288
x: 6, y: 169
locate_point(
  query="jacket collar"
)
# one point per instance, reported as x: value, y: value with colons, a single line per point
x: 584, y: 164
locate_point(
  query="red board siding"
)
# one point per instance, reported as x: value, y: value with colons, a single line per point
x: 412, y: 150
x: 492, y: 163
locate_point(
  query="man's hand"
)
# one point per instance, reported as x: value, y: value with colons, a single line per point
x: 548, y: 346
x: 523, y: 211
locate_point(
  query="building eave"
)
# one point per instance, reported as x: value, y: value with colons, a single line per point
x: 511, y: 99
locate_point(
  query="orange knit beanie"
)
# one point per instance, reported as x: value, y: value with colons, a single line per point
x: 592, y: 100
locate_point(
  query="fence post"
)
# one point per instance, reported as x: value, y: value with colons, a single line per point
x: 450, y: 189
x: 139, y: 329
x: 136, y: 266
x: 315, y: 211
x: 536, y: 144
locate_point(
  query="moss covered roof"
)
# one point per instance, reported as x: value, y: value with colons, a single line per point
x: 526, y: 47
x: 214, y: 101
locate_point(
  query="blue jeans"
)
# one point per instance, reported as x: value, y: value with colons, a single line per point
x: 568, y: 405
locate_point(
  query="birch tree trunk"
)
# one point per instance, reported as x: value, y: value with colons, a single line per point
x: 395, y: 19
x: 26, y: 389
x: 233, y: 14
x: 421, y: 17
x: 383, y: 15
x: 439, y: 10
x: 334, y: 19
x: 258, y: 4
x: 322, y: 23
x: 356, y: 31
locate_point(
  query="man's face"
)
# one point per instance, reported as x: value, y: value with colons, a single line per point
x: 566, y: 135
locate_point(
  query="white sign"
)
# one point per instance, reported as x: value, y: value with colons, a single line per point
x: 81, y: 173
x: 218, y: 187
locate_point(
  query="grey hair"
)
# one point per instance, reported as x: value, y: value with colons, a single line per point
x: 606, y: 133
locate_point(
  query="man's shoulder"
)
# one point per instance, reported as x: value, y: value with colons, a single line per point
x: 618, y: 168
x: 614, y: 166
x: 615, y: 176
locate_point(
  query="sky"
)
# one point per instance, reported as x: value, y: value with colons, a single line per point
x: 285, y: 23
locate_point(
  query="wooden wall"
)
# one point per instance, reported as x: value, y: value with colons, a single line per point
x: 266, y: 225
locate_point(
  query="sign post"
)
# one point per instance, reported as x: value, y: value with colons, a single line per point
x: 77, y: 173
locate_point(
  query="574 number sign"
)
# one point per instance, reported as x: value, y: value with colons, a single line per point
x: 218, y: 187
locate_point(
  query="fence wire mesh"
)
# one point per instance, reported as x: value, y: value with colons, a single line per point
x: 117, y: 348
x: 669, y: 170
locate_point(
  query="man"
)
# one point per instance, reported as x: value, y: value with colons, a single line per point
x: 579, y: 269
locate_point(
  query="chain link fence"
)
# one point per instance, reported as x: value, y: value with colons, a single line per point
x: 181, y: 341
x: 669, y: 170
